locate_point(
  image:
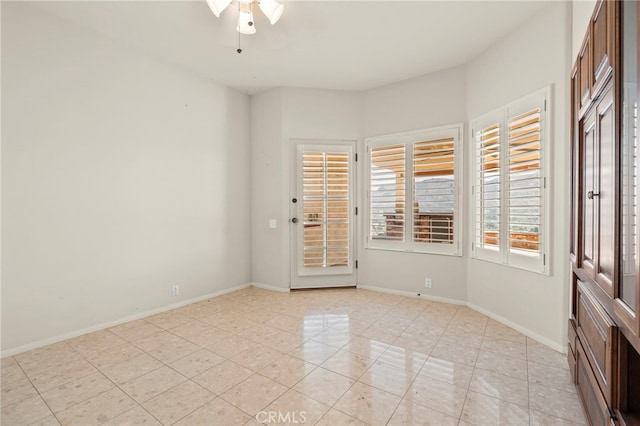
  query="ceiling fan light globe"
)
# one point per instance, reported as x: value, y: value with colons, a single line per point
x: 218, y: 6
x: 246, y: 24
x: 272, y: 10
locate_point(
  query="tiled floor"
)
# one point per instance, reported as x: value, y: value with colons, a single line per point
x: 327, y: 357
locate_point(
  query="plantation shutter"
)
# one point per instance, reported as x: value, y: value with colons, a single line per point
x: 433, y: 191
x: 511, y: 211
x: 326, y: 209
x: 487, y: 186
x: 387, y: 193
x: 525, y: 182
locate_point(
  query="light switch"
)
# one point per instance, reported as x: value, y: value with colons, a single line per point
x: 272, y: 224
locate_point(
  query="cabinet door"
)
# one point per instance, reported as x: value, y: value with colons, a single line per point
x: 588, y: 142
x: 598, y: 193
x: 602, y: 38
x: 606, y: 197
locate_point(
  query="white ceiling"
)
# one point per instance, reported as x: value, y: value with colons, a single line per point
x: 344, y: 45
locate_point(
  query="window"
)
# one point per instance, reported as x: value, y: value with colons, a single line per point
x: 511, y: 208
x: 413, y: 191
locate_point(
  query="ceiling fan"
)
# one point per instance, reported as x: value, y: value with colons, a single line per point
x: 246, y: 25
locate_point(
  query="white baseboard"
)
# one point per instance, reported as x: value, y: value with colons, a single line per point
x: 416, y: 295
x: 271, y: 287
x: 59, y: 338
x: 535, y: 336
x: 70, y: 335
x: 519, y: 328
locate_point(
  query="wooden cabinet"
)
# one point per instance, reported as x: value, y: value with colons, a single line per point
x: 604, y: 328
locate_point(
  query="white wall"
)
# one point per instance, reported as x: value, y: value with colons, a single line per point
x: 267, y: 191
x: 300, y: 114
x: 536, y: 55
x: 433, y: 100
x: 121, y: 176
x: 580, y: 17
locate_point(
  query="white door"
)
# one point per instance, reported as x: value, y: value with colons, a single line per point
x: 322, y: 207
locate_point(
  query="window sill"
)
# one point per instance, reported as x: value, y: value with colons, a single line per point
x: 544, y: 270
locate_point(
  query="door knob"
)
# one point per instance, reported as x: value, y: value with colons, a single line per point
x: 294, y: 220
x: 591, y: 194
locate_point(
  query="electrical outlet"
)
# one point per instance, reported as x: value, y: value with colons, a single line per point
x: 427, y: 283
x: 175, y: 290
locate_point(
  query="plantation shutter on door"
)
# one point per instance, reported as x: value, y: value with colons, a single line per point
x: 325, y: 177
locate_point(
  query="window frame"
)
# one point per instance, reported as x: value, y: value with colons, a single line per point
x: 408, y: 139
x: 503, y: 254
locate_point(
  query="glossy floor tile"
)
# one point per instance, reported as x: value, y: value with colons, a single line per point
x: 318, y: 357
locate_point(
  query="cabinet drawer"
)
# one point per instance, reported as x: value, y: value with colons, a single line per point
x: 593, y: 402
x: 597, y: 333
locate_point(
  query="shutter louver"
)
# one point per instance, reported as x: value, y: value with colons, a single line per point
x: 387, y: 193
x: 433, y: 191
x: 487, y: 184
x: 525, y: 182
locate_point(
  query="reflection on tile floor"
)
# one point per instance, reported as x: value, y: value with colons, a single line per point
x: 326, y: 357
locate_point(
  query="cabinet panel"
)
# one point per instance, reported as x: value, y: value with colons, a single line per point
x: 597, y: 333
x: 602, y: 44
x: 588, y: 142
x: 606, y: 199
x: 584, y: 74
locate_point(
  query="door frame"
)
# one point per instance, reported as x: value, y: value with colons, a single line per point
x: 323, y: 278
